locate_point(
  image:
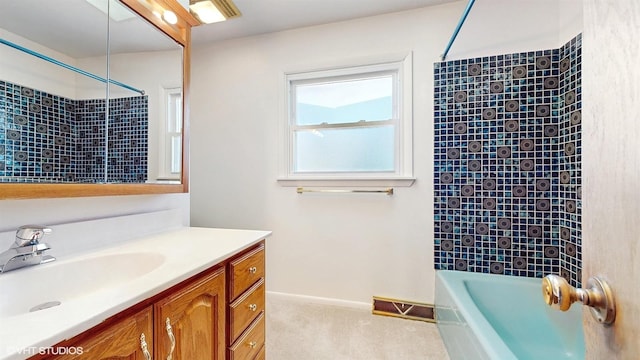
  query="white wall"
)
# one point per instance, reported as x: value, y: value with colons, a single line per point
x: 51, y: 212
x: 350, y: 246
x: 570, y: 19
x: 508, y: 26
x: 21, y: 68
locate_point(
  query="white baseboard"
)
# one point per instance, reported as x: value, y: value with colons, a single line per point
x: 319, y: 300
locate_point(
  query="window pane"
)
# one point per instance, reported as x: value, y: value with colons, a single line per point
x: 176, y: 154
x: 345, y: 150
x: 174, y: 121
x: 344, y: 101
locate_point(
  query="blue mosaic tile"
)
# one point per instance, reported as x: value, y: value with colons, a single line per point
x: 507, y: 163
x: 49, y: 138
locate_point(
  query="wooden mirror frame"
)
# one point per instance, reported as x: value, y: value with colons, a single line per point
x: 181, y: 33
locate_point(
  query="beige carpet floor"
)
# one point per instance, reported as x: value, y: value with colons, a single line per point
x: 298, y: 330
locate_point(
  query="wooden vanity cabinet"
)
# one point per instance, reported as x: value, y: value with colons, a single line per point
x: 246, y: 312
x: 187, y: 322
x: 190, y: 324
x: 128, y: 338
x: 217, y: 314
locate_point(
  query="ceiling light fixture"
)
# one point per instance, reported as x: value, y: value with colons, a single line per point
x: 212, y: 11
x: 170, y: 17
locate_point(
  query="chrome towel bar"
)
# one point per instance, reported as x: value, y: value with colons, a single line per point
x: 388, y: 191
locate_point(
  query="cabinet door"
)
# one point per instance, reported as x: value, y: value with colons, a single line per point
x: 129, y: 338
x: 190, y: 323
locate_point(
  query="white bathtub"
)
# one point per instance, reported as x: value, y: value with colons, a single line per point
x: 499, y: 317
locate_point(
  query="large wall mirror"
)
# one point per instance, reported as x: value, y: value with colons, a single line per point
x: 92, y: 97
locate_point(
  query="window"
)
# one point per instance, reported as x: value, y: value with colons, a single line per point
x: 349, y: 124
x: 171, y: 141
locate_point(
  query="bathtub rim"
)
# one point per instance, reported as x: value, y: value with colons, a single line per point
x: 486, y: 335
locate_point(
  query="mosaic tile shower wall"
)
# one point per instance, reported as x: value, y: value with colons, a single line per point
x: 128, y: 139
x: 48, y: 138
x: 507, y: 163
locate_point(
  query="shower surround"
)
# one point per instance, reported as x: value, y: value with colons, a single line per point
x: 507, y: 163
x: 50, y: 138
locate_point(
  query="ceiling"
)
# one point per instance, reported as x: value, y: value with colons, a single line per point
x: 76, y: 28
x: 265, y: 16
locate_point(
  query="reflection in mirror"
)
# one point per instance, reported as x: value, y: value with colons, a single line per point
x: 59, y: 121
x: 38, y: 98
x: 150, y: 61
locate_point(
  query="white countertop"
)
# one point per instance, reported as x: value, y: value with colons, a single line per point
x: 180, y: 254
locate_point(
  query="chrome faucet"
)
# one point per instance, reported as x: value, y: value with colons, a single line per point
x: 27, y: 249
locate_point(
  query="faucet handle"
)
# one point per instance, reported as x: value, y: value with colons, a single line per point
x: 558, y: 294
x: 30, y: 234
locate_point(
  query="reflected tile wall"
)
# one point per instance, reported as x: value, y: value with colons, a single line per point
x: 128, y: 139
x: 507, y: 163
x: 48, y: 138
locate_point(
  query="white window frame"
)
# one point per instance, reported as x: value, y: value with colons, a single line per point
x: 402, y: 175
x: 171, y: 121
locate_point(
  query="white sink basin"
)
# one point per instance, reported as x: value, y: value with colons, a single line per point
x: 58, y: 281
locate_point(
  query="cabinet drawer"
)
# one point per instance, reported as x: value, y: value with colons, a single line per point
x: 250, y: 343
x: 245, y: 271
x: 261, y: 354
x: 245, y: 309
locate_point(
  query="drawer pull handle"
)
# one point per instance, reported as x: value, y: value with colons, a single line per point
x: 253, y: 307
x: 144, y: 347
x: 172, y: 338
x: 253, y: 270
x: 253, y: 344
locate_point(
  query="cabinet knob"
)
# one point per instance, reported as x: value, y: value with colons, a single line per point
x: 253, y: 307
x: 253, y: 270
x: 253, y: 344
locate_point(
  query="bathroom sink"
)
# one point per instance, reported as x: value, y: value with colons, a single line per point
x: 48, y: 285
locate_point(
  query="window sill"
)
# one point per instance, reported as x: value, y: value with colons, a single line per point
x: 351, y: 182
